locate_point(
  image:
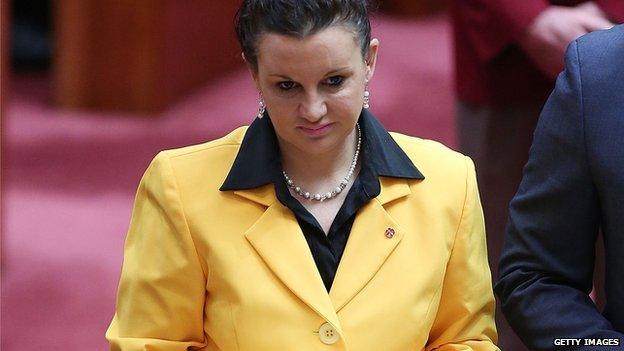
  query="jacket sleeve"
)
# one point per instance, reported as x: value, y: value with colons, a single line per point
x: 160, y: 301
x: 465, y: 315
x: 493, y: 25
x: 547, y: 262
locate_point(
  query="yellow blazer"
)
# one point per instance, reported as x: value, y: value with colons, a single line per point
x: 231, y: 270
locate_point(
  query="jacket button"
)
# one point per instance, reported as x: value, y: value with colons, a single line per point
x: 389, y: 233
x: 328, y: 334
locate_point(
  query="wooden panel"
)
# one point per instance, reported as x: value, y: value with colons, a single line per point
x: 70, y: 59
x: 109, y: 54
x: 125, y: 55
x: 200, y: 43
x: 140, y: 55
x: 412, y: 8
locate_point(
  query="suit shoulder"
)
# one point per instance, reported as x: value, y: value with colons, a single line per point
x: 426, y: 149
x: 603, y: 40
x: 433, y: 158
x: 208, y: 162
x: 600, y: 50
x: 230, y: 142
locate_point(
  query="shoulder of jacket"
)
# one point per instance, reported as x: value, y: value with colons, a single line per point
x: 449, y: 175
x: 207, y: 163
x: 601, y: 49
x: 424, y: 152
x: 229, y: 144
x: 603, y: 40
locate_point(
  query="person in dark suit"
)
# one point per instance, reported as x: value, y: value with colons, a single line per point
x: 572, y: 187
x: 507, y: 56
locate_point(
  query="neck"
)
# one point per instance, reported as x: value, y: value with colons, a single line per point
x: 317, y: 171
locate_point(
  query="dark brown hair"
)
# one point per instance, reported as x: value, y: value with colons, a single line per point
x: 298, y: 18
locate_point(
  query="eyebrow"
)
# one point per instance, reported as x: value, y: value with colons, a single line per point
x: 326, y: 74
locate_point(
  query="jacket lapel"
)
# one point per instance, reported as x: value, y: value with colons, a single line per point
x: 278, y: 239
x: 368, y: 246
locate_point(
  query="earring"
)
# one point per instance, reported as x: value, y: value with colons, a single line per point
x: 366, y: 97
x: 261, y: 106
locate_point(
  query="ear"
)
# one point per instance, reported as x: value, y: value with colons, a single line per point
x: 371, y: 58
x: 254, y: 72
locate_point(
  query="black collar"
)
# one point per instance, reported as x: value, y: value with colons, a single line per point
x: 258, y: 162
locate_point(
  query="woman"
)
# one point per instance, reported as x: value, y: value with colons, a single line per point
x: 313, y: 228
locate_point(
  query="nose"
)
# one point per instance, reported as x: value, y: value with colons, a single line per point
x: 313, y: 108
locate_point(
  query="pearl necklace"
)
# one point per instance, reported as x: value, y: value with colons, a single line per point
x: 337, y: 190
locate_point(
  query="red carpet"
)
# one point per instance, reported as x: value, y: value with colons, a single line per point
x: 71, y: 176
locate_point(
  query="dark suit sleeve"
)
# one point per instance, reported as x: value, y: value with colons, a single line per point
x: 547, y: 262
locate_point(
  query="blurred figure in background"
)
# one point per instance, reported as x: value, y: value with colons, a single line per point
x: 31, y: 35
x: 508, y: 53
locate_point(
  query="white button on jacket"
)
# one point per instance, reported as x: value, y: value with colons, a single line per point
x: 328, y: 334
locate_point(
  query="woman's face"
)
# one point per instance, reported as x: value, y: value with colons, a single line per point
x: 313, y: 87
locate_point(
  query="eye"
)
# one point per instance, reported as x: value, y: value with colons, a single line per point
x: 334, y: 81
x: 286, y: 85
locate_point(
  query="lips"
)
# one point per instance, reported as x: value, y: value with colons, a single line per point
x: 317, y: 130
